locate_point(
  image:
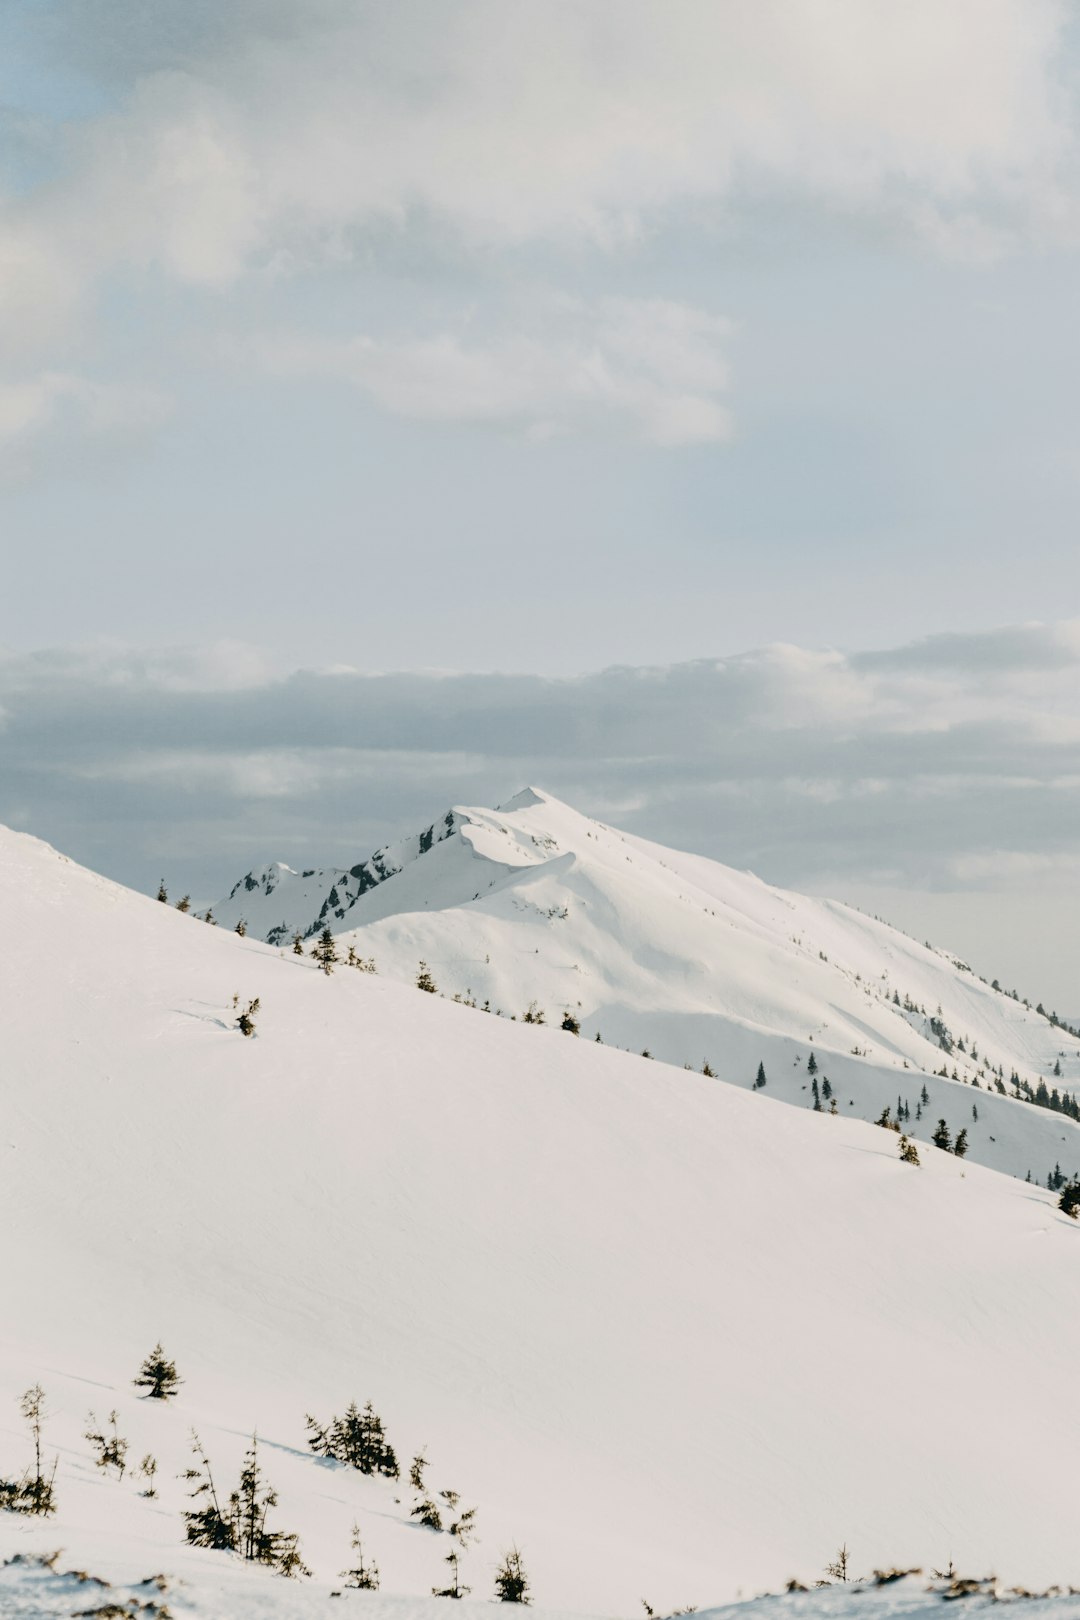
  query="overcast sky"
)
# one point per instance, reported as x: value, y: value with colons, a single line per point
x: 527, y: 340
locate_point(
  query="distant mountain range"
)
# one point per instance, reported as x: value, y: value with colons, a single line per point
x: 533, y: 905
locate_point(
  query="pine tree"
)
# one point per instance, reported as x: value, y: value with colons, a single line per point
x: 184, y: 904
x: 838, y: 1569
x: 241, y: 928
x: 246, y: 1021
x: 209, y: 918
x: 960, y: 1146
x: 759, y: 1079
x: 710, y: 1074
x: 925, y: 1097
x: 205, y: 1525
x: 363, y: 1576
x: 163, y: 893
x: 909, y: 1153
x: 817, y: 1095
x: 570, y: 1024
x: 511, y: 1582
x: 1069, y: 1201
x: 158, y: 1376
x: 427, y: 1513
x: 455, y: 1588
x: 146, y: 1470
x: 325, y: 952
x: 34, y: 1492
x: 357, y: 1439
x: 416, y: 1471
x: 826, y: 1088
x: 249, y: 1504
x: 941, y: 1138
x: 462, y: 1526
x: 111, y: 1448
x: 424, y: 981
x: 812, y: 1064
x: 297, y: 945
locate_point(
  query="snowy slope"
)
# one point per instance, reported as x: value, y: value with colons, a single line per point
x: 700, y: 964
x: 674, y: 1340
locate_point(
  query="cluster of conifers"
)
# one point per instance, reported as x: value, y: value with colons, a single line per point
x: 238, y: 1523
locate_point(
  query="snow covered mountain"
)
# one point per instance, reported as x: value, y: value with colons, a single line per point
x: 676, y: 1341
x: 698, y: 964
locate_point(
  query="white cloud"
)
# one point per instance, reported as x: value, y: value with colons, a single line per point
x: 655, y: 365
x: 54, y: 409
x: 272, y: 141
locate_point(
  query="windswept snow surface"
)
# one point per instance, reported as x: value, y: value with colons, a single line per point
x: 673, y: 1339
x: 698, y: 964
x: 220, y: 1593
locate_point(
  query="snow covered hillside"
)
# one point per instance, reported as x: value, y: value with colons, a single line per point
x: 673, y: 1340
x: 698, y: 964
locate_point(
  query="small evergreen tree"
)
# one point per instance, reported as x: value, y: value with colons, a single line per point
x: 424, y: 981
x: 462, y: 1524
x: 817, y: 1095
x: 364, y: 1575
x: 241, y: 928
x: 34, y: 1492
x: 205, y: 1525
x: 209, y: 918
x: 184, y: 904
x: 1069, y: 1201
x: 960, y: 1146
x: 297, y: 945
x: 147, y: 1469
x: 511, y: 1582
x: 941, y: 1138
x: 163, y: 893
x: 416, y: 1471
x: 838, y: 1569
x: 111, y: 1448
x: 533, y: 1014
x: 246, y: 1021
x: 249, y: 1504
x: 812, y: 1064
x: 710, y: 1074
x: 158, y: 1376
x: 826, y: 1088
x: 909, y: 1153
x: 759, y: 1079
x: 925, y: 1097
x: 325, y: 951
x: 454, y: 1589
x: 571, y: 1024
x: 426, y: 1512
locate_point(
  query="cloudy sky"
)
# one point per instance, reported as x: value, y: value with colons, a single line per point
x: 684, y: 395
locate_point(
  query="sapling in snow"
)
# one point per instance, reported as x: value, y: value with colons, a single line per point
x: 147, y: 1470
x: 158, y: 1376
x: 34, y: 1491
x: 511, y: 1582
x: 109, y: 1444
x: 325, y: 951
x: 454, y: 1588
x: 364, y: 1575
x: 246, y: 1021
